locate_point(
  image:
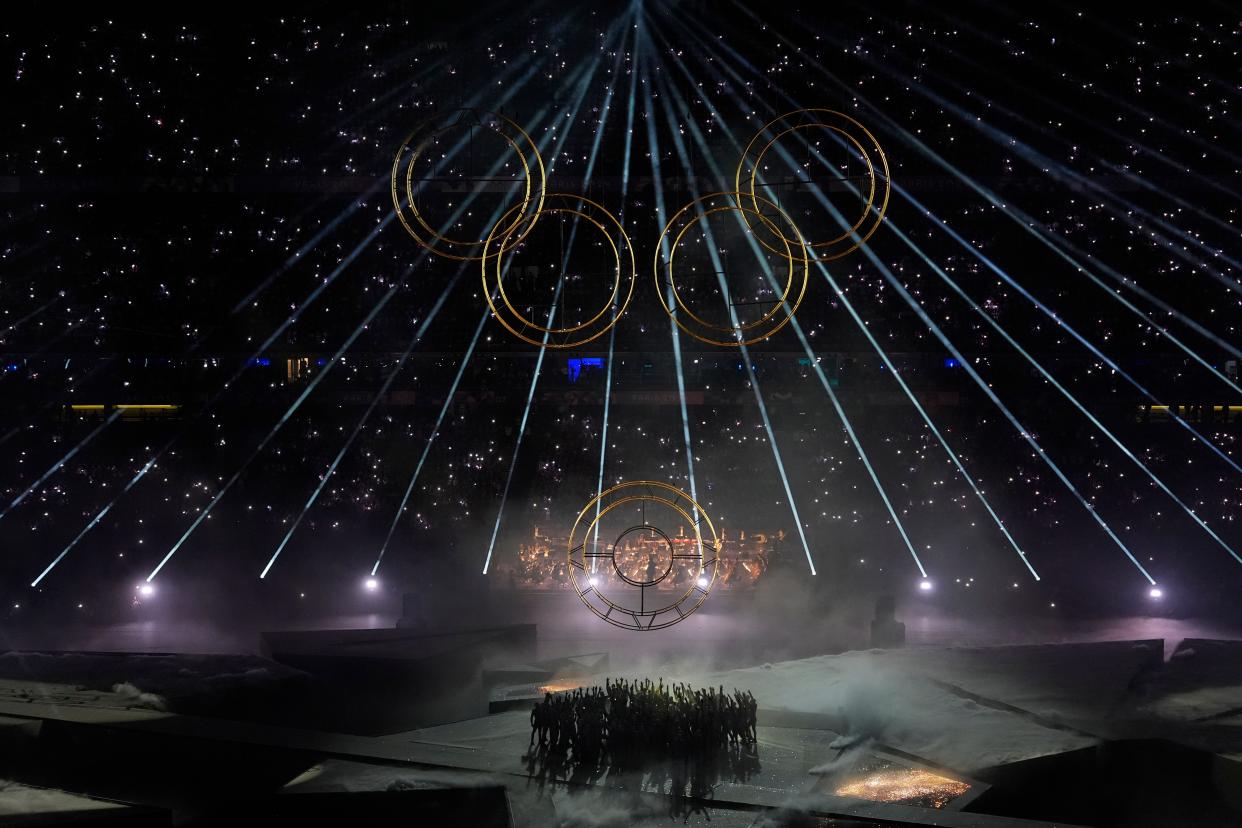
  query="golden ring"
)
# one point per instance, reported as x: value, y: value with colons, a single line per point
x: 795, y: 253
x: 515, y: 136
x: 830, y: 254
x: 704, y: 567
x: 512, y: 319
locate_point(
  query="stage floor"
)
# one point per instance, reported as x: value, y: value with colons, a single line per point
x: 963, y: 713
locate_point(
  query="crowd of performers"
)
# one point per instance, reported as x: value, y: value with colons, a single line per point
x: 662, y: 732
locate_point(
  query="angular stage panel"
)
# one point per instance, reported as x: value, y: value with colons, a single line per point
x: 32, y: 805
x: 314, y: 646
x: 389, y: 680
x: 886, y: 696
x: 517, y: 686
x: 1058, y: 683
x: 1128, y: 783
x: 493, y: 745
x: 186, y: 682
x: 587, y: 664
x: 1202, y: 681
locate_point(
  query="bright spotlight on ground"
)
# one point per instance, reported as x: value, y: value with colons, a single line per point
x: 1155, y: 592
x: 925, y: 585
x: 371, y: 584
x: 594, y: 581
x: 146, y: 590
x: 702, y: 583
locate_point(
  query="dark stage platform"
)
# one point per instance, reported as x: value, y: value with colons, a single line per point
x: 986, y: 736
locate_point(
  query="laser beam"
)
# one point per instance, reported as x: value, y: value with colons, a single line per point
x: 560, y: 282
x: 713, y: 252
x: 832, y: 396
x: 311, y: 298
x: 336, y: 461
x: 1025, y: 221
x: 657, y: 180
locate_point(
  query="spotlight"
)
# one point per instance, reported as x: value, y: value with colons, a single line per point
x: 925, y: 585
x: 371, y: 584
x: 146, y: 590
x: 1155, y: 592
x: 702, y: 583
x: 593, y: 581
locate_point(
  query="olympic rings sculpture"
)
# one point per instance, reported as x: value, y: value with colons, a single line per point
x: 683, y: 567
x: 769, y: 225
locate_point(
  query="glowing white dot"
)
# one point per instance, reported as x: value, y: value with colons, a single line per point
x: 1155, y: 592
x: 925, y: 585
x: 371, y: 584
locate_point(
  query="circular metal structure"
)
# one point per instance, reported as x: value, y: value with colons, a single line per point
x: 784, y: 302
x: 509, y: 237
x: 637, y: 582
x: 746, y: 180
x: 425, y: 144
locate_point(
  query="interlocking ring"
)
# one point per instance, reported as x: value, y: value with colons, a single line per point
x: 855, y: 134
x: 577, y: 213
x: 425, y: 140
x: 756, y: 224
x: 621, y: 577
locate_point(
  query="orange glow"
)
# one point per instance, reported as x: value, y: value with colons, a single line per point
x: 904, y: 785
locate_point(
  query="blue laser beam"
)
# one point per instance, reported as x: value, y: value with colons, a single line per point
x: 311, y: 298
x: 1009, y: 415
x: 435, y: 431
x: 1074, y: 401
x: 653, y: 145
x: 331, y: 363
x: 1004, y: 409
x: 530, y: 396
x: 865, y: 329
x: 1022, y: 219
x: 612, y: 334
x: 336, y: 461
x: 845, y: 421
x: 289, y: 412
x: 59, y: 296
x: 713, y: 251
x: 1025, y: 221
x: 59, y: 464
x: 534, y: 382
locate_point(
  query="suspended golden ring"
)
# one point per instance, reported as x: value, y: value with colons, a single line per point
x: 514, y: 321
x: 427, y: 132
x: 829, y: 254
x: 681, y: 303
x: 795, y: 253
x: 703, y: 569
